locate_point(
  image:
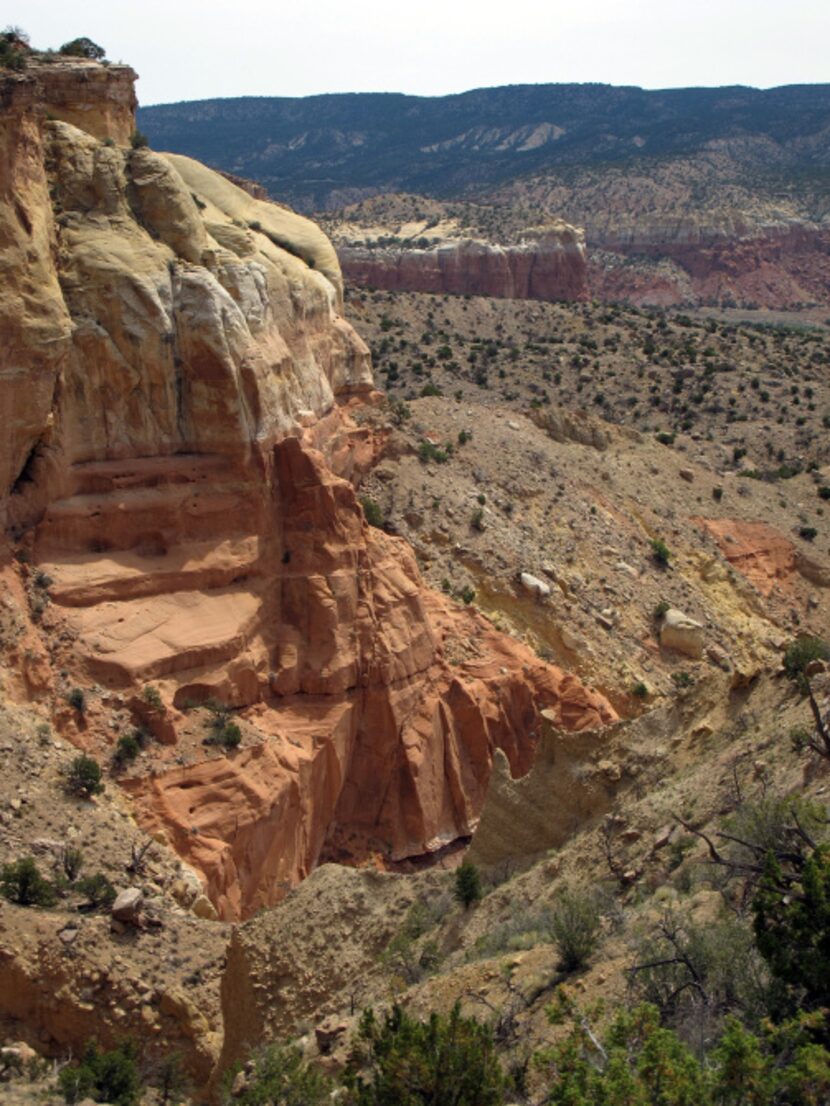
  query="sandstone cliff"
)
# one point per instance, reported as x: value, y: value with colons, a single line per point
x: 549, y: 265
x: 176, y: 378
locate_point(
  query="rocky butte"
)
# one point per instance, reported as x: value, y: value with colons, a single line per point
x: 180, y: 460
x: 548, y: 264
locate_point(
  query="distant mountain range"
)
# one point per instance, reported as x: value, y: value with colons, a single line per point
x: 321, y: 152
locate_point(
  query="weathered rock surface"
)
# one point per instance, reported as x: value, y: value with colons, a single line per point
x: 680, y: 632
x: 549, y: 265
x: 777, y: 266
x: 767, y: 558
x: 127, y: 906
x: 175, y: 465
x: 524, y: 817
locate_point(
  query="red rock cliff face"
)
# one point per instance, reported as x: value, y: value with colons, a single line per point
x: 775, y: 267
x: 550, y: 267
x: 171, y: 465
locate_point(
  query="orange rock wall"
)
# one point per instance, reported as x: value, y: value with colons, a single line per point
x: 174, y: 365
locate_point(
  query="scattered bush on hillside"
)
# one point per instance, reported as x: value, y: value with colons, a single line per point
x: 280, y: 1076
x: 84, y: 777
x: 110, y: 1077
x: 126, y: 750
x: 72, y: 861
x: 222, y: 731
x: 468, y: 889
x: 152, y: 697
x: 660, y: 610
x: 694, y: 973
x: 22, y: 883
x: 396, y: 1060
x: 660, y: 552
x: 97, y: 890
x: 77, y: 699
x: 575, y: 928
x: 798, y: 658
x: 372, y: 511
x: 428, y: 451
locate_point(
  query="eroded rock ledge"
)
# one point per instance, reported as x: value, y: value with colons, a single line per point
x: 175, y: 383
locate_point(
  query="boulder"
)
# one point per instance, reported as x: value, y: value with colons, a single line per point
x: 681, y: 633
x: 534, y: 585
x: 127, y: 906
x: 204, y: 908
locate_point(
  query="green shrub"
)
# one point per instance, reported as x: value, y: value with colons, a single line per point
x: 84, y: 777
x: 77, y: 699
x: 682, y: 679
x: 110, y: 1077
x: 428, y: 451
x: 152, y: 697
x: 477, y: 519
x: 396, y: 1060
x: 808, y: 533
x: 138, y: 140
x: 21, y: 882
x: 126, y: 750
x: 97, y: 890
x: 372, y: 511
x: 281, y: 1076
x: 639, y: 690
x: 14, y: 49
x: 72, y: 860
x: 467, y: 594
x: 660, y: 552
x: 575, y: 928
x: 83, y: 48
x: 223, y: 731
x: 660, y: 610
x: 431, y: 389
x: 824, y: 491
x: 801, y: 652
x: 468, y: 888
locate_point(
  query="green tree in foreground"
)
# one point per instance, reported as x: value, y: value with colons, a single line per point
x: 281, y: 1077
x: 792, y: 925
x: 110, y: 1077
x: 446, y: 1061
x: 640, y: 1063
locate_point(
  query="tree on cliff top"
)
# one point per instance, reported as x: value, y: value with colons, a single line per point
x: 83, y: 48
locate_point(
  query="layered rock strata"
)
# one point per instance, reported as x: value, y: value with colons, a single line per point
x: 777, y: 266
x: 550, y: 265
x: 178, y: 466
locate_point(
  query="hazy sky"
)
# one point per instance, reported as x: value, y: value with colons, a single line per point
x: 196, y: 49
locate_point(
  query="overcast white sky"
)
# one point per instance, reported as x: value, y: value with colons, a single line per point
x: 198, y: 49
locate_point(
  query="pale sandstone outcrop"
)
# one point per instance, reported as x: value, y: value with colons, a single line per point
x: 680, y: 632
x: 172, y: 470
x: 524, y: 817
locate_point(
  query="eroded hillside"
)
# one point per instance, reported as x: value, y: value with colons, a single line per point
x: 318, y: 637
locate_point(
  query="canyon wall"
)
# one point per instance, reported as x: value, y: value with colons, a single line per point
x: 177, y: 383
x: 773, y: 266
x: 548, y: 266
